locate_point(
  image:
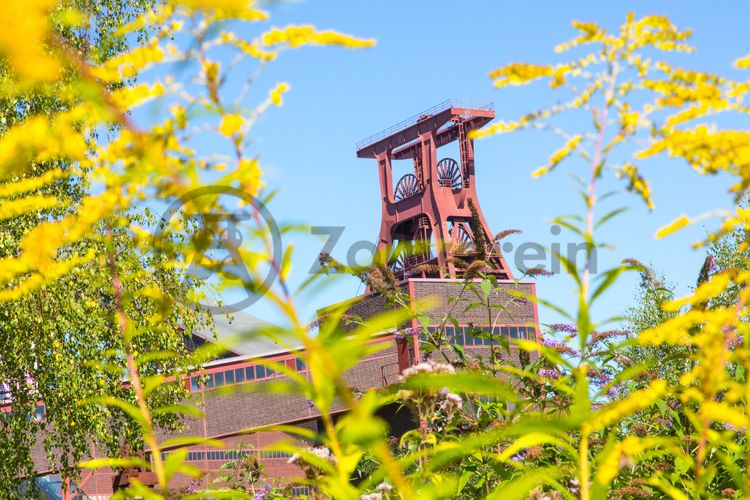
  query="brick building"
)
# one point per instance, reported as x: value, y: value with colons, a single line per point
x: 228, y: 413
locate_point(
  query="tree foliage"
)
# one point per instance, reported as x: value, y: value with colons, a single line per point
x: 59, y: 344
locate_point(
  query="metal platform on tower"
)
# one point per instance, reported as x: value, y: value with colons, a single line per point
x: 473, y: 115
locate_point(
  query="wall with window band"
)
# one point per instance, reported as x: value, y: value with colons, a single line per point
x: 468, y: 336
x: 226, y: 455
x: 475, y: 336
x: 238, y: 375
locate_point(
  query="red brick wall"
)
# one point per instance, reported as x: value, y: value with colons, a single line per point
x: 227, y: 413
x: 231, y: 410
x: 436, y: 294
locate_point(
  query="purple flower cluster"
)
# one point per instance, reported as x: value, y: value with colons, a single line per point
x: 564, y: 327
x: 648, y: 279
x: 609, y: 334
x: 194, y: 486
x: 601, y: 378
x: 261, y: 495
x: 559, y: 347
x: 645, y: 283
x: 406, y: 333
x: 736, y: 341
x: 310, y: 404
x: 551, y: 343
x: 550, y: 374
x: 712, y: 267
x: 615, y: 391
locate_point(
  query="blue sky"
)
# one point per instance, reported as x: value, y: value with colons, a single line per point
x: 430, y: 51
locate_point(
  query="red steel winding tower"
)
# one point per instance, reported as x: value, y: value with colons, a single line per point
x: 427, y: 217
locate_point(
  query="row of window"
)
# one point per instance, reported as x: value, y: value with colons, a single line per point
x: 222, y: 455
x: 240, y: 375
x: 466, y: 335
x: 298, y: 491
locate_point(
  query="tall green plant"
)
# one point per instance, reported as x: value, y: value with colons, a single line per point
x: 630, y: 95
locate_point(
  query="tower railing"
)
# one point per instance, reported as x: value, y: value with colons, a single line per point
x: 449, y: 103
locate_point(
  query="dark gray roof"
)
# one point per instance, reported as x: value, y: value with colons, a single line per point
x: 246, y: 335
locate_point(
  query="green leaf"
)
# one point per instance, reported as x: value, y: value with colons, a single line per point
x: 290, y: 429
x: 584, y: 321
x: 486, y: 288
x: 178, y: 409
x: 569, y: 267
x: 459, y: 349
x: 361, y: 429
x: 561, y: 222
x: 130, y: 409
x: 545, y: 303
x: 286, y: 263
x: 537, y: 438
x: 581, y: 402
x: 610, y: 215
x: 668, y: 489
x: 609, y: 278
x: 174, y: 462
x: 190, y: 441
x: 519, y: 488
x: 152, y: 382
x: 100, y: 463
x: 465, y: 477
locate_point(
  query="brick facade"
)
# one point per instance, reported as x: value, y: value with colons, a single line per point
x: 229, y: 413
x: 438, y: 297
